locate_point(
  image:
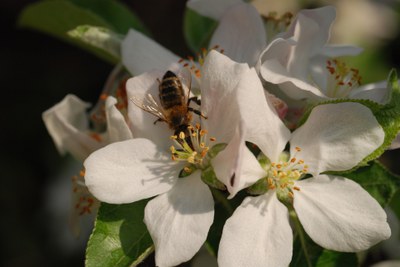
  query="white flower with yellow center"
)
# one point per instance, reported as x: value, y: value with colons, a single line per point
x: 335, y: 212
x: 179, y: 218
x: 302, y: 63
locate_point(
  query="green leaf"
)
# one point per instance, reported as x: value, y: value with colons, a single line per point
x: 377, y: 180
x: 119, y: 238
x: 100, y: 38
x: 115, y: 13
x: 58, y: 17
x: 197, y: 30
x: 330, y: 258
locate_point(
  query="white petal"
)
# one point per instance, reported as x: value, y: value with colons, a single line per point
x: 257, y: 234
x: 141, y: 54
x: 241, y: 34
x: 322, y: 17
x: 210, y: 8
x: 142, y: 122
x: 117, y: 128
x: 336, y: 137
x: 67, y: 123
x: 236, y: 166
x: 179, y: 220
x: 274, y: 62
x: 378, y: 92
x: 218, y: 96
x: 305, y: 34
x: 262, y: 122
x: 129, y: 171
x: 339, y: 214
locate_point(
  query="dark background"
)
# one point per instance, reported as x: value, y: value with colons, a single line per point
x: 37, y: 71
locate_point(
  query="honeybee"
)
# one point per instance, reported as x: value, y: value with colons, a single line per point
x: 174, y: 110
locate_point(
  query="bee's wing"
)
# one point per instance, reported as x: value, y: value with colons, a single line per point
x: 185, y: 76
x: 150, y: 105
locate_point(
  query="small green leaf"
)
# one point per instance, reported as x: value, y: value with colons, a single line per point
x: 197, y: 30
x: 100, y: 38
x: 115, y: 13
x: 119, y: 238
x: 209, y: 177
x: 58, y: 17
x: 330, y: 258
x: 377, y: 180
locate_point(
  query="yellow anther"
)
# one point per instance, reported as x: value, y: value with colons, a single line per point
x: 187, y: 169
x: 197, y: 126
x: 203, y: 132
x: 172, y: 148
x: 270, y: 182
x: 301, y: 161
x: 213, y: 139
x: 285, y: 164
x: 182, y: 135
x: 173, y: 157
x: 291, y: 195
x: 202, y: 145
x: 275, y: 172
x: 271, y: 186
x: 293, y: 160
x: 296, y: 188
x: 173, y: 137
x: 279, y: 166
x: 273, y: 164
x: 298, y: 149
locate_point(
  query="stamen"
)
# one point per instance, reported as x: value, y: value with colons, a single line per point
x: 282, y: 176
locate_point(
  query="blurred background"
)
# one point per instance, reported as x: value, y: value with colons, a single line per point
x: 37, y: 71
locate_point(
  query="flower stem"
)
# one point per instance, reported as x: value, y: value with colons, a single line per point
x: 222, y: 199
x: 300, y: 231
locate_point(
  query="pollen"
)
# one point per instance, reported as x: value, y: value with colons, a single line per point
x: 191, y: 146
x: 342, y: 79
x: 282, y: 176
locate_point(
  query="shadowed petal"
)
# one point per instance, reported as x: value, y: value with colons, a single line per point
x: 241, y: 34
x: 179, y: 220
x: 258, y: 234
x: 129, y: 171
x: 339, y: 214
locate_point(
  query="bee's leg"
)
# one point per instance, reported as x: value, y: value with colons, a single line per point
x: 194, y: 99
x: 198, y: 112
x: 157, y: 120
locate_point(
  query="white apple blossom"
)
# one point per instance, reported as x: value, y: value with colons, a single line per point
x: 334, y: 211
x: 179, y: 218
x: 240, y: 34
x: 304, y: 66
x: 68, y: 124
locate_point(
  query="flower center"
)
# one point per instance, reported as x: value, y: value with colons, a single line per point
x: 282, y: 175
x: 342, y: 79
x: 193, y: 63
x: 191, y: 146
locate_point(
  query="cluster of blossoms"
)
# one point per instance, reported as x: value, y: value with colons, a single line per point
x: 291, y: 170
